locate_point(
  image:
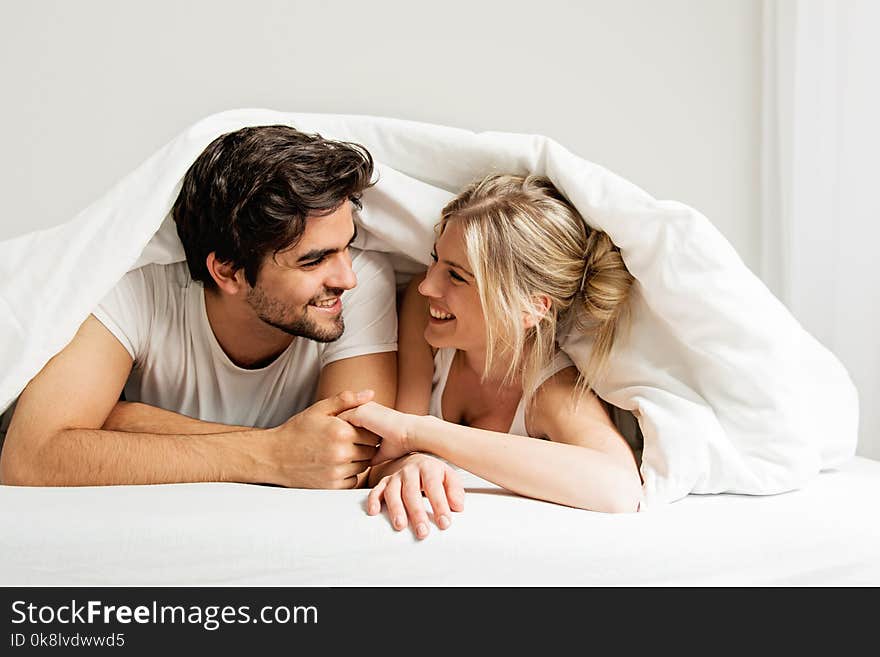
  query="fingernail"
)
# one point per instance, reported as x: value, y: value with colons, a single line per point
x: 443, y: 522
x: 398, y: 522
x: 373, y: 510
x: 422, y: 530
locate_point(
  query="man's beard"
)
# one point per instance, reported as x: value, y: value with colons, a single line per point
x: 274, y: 313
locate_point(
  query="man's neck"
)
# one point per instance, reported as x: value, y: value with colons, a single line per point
x: 248, y: 342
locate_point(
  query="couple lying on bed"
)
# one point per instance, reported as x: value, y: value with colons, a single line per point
x: 237, y: 365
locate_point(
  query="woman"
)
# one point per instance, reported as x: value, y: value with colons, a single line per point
x: 480, y: 373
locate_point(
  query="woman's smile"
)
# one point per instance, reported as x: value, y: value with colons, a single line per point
x: 438, y: 315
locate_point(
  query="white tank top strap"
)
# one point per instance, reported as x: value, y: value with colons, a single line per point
x: 442, y: 364
x: 560, y: 362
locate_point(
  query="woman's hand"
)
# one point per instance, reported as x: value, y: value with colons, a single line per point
x: 395, y: 428
x: 402, y: 492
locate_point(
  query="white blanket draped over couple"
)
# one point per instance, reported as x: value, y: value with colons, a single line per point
x: 731, y: 394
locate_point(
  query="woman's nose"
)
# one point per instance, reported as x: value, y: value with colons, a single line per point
x: 428, y: 286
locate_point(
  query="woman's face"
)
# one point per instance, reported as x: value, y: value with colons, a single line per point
x: 456, y: 314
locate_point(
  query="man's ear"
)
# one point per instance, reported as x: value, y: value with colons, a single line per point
x: 228, y: 279
x: 540, y: 306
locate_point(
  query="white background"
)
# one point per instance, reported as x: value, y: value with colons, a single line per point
x: 666, y: 94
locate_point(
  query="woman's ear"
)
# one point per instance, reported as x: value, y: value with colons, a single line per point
x: 228, y: 279
x: 540, y: 306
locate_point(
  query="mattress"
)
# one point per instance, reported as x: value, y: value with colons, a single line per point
x: 212, y: 534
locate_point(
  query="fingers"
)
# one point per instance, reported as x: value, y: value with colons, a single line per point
x: 436, y: 494
x: 386, y: 452
x: 374, y: 423
x: 367, y: 438
x: 345, y: 475
x: 412, y: 498
x: 374, y: 499
x: 362, y: 453
x: 402, y: 493
x: 364, y: 416
x: 343, y: 401
x: 394, y: 502
x: 454, y: 489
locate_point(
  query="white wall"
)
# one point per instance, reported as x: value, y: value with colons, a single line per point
x: 665, y: 93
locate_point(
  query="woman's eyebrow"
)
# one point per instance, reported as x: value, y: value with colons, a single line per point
x: 452, y: 263
x: 457, y: 266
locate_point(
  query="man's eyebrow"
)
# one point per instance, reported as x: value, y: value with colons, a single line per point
x: 317, y: 254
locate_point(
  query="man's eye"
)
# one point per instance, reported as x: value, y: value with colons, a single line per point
x: 313, y: 263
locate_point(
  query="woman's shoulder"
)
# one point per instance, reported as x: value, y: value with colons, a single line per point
x: 560, y: 372
x: 560, y: 361
x: 558, y: 393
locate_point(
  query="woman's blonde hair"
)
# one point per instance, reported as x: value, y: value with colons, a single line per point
x: 523, y: 240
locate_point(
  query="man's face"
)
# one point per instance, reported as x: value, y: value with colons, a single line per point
x: 298, y: 290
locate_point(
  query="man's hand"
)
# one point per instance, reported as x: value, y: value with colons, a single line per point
x: 393, y: 427
x: 402, y: 492
x: 317, y: 449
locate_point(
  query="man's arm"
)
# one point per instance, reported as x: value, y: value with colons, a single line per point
x: 377, y: 372
x: 144, y: 418
x: 374, y: 371
x: 415, y: 357
x: 55, y: 437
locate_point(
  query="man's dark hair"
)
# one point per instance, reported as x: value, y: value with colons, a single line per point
x: 250, y: 192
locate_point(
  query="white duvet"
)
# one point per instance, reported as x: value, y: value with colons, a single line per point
x: 731, y: 393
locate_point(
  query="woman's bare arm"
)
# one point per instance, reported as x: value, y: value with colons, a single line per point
x: 585, y: 462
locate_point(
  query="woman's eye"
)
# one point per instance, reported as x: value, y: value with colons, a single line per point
x: 456, y: 277
x: 434, y: 256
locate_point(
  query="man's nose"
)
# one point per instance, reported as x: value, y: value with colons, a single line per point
x: 343, y: 275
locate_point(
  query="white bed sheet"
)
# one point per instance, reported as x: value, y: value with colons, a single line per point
x: 229, y: 534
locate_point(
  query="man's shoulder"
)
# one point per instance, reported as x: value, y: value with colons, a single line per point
x: 369, y: 261
x: 155, y: 281
x: 153, y: 288
x: 174, y: 275
x: 373, y: 270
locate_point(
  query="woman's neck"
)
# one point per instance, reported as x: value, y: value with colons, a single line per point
x: 475, y: 361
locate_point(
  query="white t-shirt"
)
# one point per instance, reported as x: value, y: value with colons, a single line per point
x: 158, y: 314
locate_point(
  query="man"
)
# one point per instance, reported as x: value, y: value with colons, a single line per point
x: 220, y: 357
